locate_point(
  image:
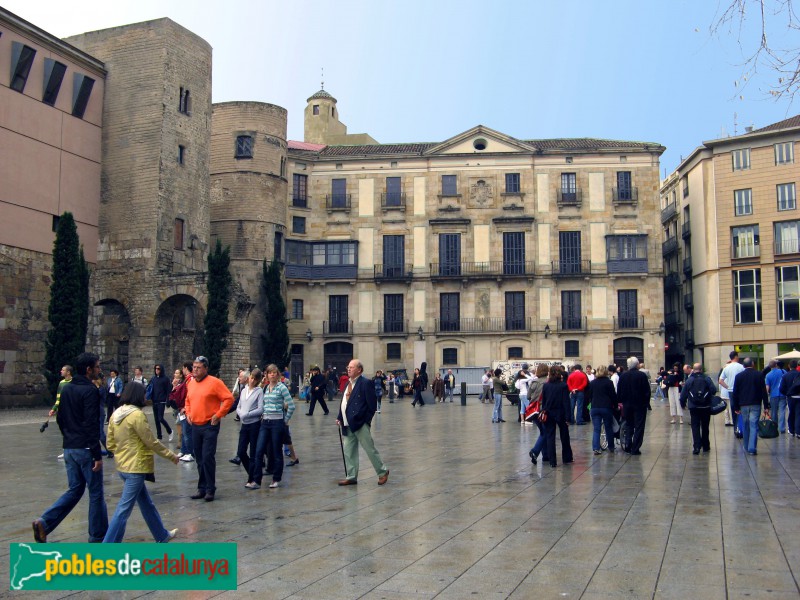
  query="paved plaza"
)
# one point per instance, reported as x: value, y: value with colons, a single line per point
x: 464, y: 515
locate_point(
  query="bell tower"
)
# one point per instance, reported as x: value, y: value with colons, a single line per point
x: 321, y: 119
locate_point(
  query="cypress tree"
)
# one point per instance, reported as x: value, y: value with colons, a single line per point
x: 215, y: 337
x: 68, y: 305
x: 275, y: 340
x: 84, y: 275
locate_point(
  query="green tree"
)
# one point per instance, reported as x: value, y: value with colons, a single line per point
x: 275, y: 339
x: 215, y: 337
x: 84, y: 276
x: 68, y: 305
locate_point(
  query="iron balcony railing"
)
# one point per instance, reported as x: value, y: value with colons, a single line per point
x: 672, y: 281
x: 635, y: 322
x: 569, y: 197
x: 745, y: 251
x: 495, y: 268
x: 337, y: 201
x: 687, y: 264
x: 689, y: 338
x: 787, y: 247
x: 393, y: 272
x: 483, y: 325
x: 668, y: 212
x: 670, y: 246
x: 330, y: 328
x: 300, y: 201
x: 398, y: 327
x: 686, y: 229
x: 393, y: 200
x: 572, y: 324
x: 671, y: 318
x: 625, y: 195
x: 570, y: 268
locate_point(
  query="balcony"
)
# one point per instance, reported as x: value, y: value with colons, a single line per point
x: 300, y: 201
x: 483, y: 325
x: 570, y: 268
x: 671, y: 319
x: 337, y: 328
x: 629, y: 322
x: 393, y: 328
x: 495, y: 268
x: 672, y: 282
x: 626, y: 195
x: 628, y: 265
x: 669, y: 247
x: 686, y: 230
x: 670, y: 211
x: 569, y: 198
x: 572, y: 324
x: 689, y: 338
x: 745, y: 251
x: 338, y: 202
x: 392, y: 273
x: 787, y: 247
x: 687, y: 265
x: 688, y: 301
x: 320, y: 272
x: 393, y: 200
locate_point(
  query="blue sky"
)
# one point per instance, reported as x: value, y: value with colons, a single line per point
x: 425, y: 70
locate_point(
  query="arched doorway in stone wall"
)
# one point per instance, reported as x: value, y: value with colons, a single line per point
x: 179, y: 320
x: 110, y: 334
x: 626, y: 347
x: 339, y: 355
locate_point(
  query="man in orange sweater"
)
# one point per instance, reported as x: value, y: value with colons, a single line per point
x: 208, y: 400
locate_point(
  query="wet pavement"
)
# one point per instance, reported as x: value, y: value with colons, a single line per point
x: 464, y: 513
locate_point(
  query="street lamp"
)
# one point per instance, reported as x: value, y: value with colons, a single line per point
x: 421, y: 333
x: 546, y: 331
x: 309, y: 336
x: 661, y: 328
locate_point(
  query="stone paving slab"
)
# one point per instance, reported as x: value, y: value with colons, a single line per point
x: 465, y: 513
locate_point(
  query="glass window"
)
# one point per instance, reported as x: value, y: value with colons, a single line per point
x: 54, y: 75
x: 393, y: 351
x: 513, y: 253
x: 626, y: 247
x: 394, y: 261
x: 569, y: 252
x: 449, y: 356
x: 745, y: 241
x: 788, y: 281
x: 394, y: 194
x: 299, y: 190
x: 741, y: 159
x: 393, y: 313
x: 244, y: 146
x: 338, y: 314
x: 22, y: 68
x: 787, y: 234
x: 514, y: 352
x: 787, y: 200
x: 84, y: 86
x: 685, y: 188
x: 297, y: 309
x: 450, y: 254
x: 515, y: 311
x: 316, y: 109
x: 571, y: 316
x: 628, y: 308
x: 298, y: 224
x: 624, y: 185
x: 572, y: 348
x: 338, y: 193
x: 449, y: 185
x: 512, y: 183
x: 747, y: 296
x: 743, y: 202
x: 298, y: 253
x: 784, y: 153
x: 449, y: 311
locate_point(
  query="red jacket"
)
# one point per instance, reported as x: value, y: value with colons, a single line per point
x: 577, y: 381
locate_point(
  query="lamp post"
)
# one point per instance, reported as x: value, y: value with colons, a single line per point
x: 309, y: 336
x: 546, y: 331
x: 421, y: 333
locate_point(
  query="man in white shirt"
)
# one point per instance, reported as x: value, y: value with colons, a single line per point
x: 726, y: 377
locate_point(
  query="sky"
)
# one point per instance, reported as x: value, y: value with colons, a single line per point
x: 427, y: 70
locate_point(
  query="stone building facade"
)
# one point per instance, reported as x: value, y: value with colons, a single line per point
x: 51, y: 119
x: 731, y: 253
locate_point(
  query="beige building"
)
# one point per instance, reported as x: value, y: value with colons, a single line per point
x: 478, y: 248
x: 731, y: 253
x: 51, y: 123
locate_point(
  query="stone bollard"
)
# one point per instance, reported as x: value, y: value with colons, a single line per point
x: 463, y: 393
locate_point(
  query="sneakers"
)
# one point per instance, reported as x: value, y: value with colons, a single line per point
x: 39, y: 532
x: 171, y: 436
x: 180, y: 455
x: 252, y: 485
x: 273, y: 485
x: 60, y: 456
x: 294, y: 462
x: 597, y: 452
x: 171, y: 534
x: 187, y: 458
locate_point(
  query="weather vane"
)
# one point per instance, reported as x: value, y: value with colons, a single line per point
x: 323, y: 77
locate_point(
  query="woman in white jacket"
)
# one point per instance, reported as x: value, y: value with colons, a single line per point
x: 249, y: 410
x: 522, y: 384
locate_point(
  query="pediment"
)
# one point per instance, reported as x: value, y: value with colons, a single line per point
x: 480, y: 140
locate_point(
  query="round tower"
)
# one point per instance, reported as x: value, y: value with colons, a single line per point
x: 321, y: 119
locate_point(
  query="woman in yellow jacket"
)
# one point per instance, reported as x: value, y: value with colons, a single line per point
x: 133, y: 445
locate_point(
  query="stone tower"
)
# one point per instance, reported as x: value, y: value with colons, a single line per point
x: 149, y: 283
x: 248, y: 209
x: 321, y: 119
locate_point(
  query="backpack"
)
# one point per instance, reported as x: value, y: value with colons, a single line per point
x: 701, y: 398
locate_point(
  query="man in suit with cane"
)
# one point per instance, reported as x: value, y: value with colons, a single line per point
x: 355, y: 415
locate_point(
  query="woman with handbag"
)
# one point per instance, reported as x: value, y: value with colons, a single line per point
x: 535, y: 397
x: 604, y: 400
x: 555, y: 403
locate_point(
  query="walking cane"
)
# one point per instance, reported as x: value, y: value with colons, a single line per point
x: 341, y: 443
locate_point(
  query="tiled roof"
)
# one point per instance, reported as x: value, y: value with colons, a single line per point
x: 293, y: 145
x: 376, y: 149
x: 321, y: 94
x: 587, y: 144
x: 785, y: 124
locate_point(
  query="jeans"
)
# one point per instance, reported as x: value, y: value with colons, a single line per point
x: 204, y: 440
x: 576, y: 407
x: 599, y: 417
x: 449, y: 392
x: 78, y: 462
x: 497, y: 413
x: 158, y: 415
x: 270, y: 438
x: 540, y: 444
x: 187, y: 447
x: 523, y: 404
x: 778, y: 406
x: 701, y: 417
x: 248, y: 443
x: 659, y: 393
x: 135, y: 491
x: 750, y: 414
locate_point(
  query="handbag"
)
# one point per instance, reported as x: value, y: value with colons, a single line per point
x: 767, y: 428
x: 533, y: 410
x: 718, y: 405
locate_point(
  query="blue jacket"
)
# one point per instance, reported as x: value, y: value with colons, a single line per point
x: 118, y: 385
x: 361, y: 404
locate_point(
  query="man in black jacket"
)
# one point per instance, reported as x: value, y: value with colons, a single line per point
x: 790, y: 387
x: 633, y: 391
x: 698, y: 392
x: 355, y: 416
x: 162, y: 386
x: 749, y: 393
x: 78, y: 418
